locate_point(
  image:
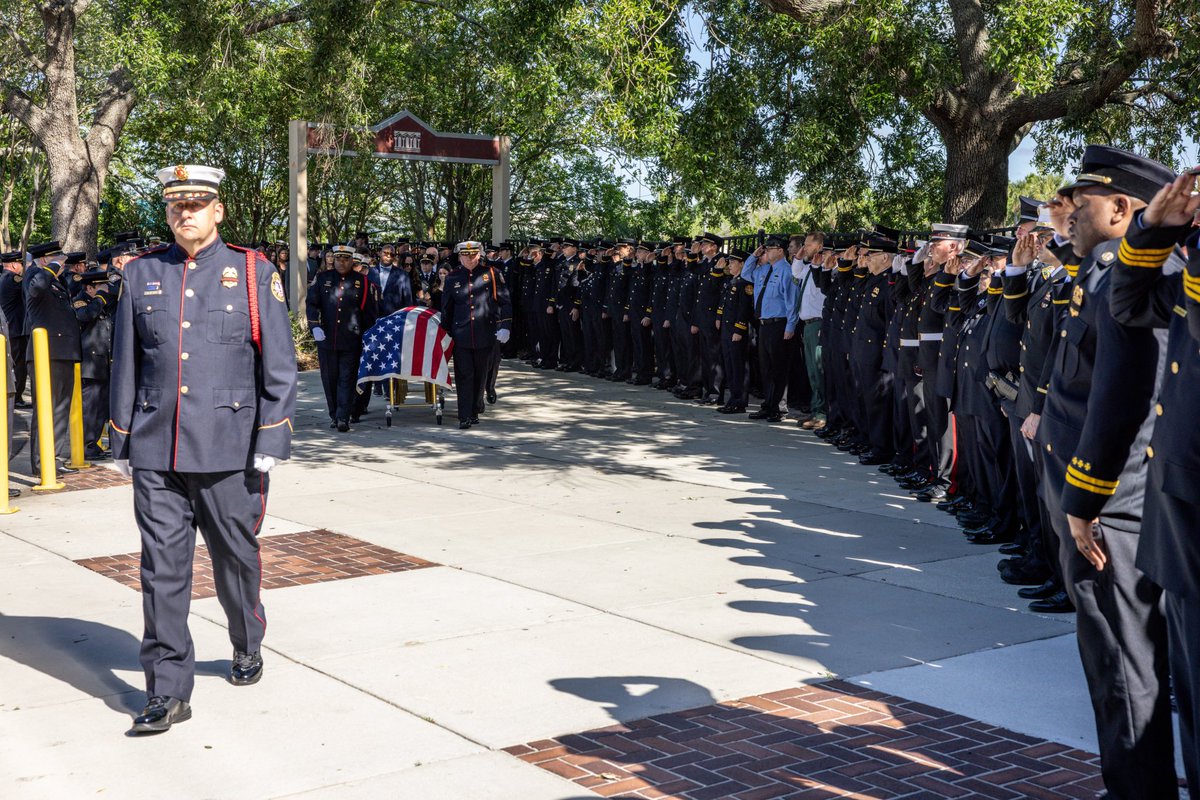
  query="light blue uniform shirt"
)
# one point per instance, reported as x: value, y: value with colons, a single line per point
x: 780, y: 292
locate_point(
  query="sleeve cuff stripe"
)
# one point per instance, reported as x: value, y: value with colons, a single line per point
x: 1083, y: 476
x: 943, y: 285
x: 114, y: 426
x: 1145, y: 251
x: 1080, y: 485
x: 1016, y: 296
x: 287, y: 422
x: 1141, y: 259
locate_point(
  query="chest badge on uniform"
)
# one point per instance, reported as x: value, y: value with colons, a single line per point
x: 277, y: 287
x: 750, y: 289
x: 152, y: 287
x: 875, y: 292
x: 1107, y: 256
x: 1076, y: 300
x: 486, y: 279
x: 1046, y: 273
x: 229, y: 277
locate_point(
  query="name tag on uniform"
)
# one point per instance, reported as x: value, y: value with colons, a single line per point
x: 152, y: 287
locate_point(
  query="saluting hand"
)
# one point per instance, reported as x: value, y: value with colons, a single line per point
x: 1174, y: 204
x: 1027, y: 248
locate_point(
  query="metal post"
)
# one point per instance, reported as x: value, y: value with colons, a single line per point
x: 45, y: 412
x: 501, y: 178
x: 5, y: 508
x: 76, y: 424
x: 298, y: 215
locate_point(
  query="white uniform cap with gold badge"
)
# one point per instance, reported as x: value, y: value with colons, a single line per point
x: 468, y: 248
x: 190, y: 182
x: 343, y: 250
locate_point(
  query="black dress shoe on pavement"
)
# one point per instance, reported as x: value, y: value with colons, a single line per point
x: 343, y: 426
x: 474, y: 420
x: 642, y: 382
x: 932, y: 494
x: 466, y: 423
x: 22, y: 404
x: 333, y: 424
x: 762, y: 414
x: 160, y: 714
x: 1057, y: 603
x: 357, y: 418
x: 247, y: 668
x: 915, y: 484
x: 991, y: 536
x: 951, y: 502
x: 13, y: 493
x: 1047, y: 589
x: 1024, y: 575
x: 869, y: 459
x: 63, y: 469
x: 1012, y: 549
x: 491, y: 398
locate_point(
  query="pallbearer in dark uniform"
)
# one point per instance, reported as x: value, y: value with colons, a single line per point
x: 1095, y: 430
x: 48, y: 305
x: 639, y: 309
x: 95, y: 307
x: 341, y: 308
x: 1147, y: 291
x: 12, y: 303
x: 477, y: 312
x: 660, y: 318
x: 203, y: 392
x: 616, y: 311
x: 735, y: 315
x: 710, y: 284
x: 873, y: 382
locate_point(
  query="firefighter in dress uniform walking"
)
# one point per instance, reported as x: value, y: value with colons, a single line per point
x: 203, y: 392
x: 477, y: 312
x: 341, y: 308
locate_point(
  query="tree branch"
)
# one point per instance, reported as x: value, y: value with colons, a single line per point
x: 285, y: 17
x: 113, y: 108
x: 800, y: 9
x: 1148, y: 40
x: 24, y: 47
x: 971, y: 37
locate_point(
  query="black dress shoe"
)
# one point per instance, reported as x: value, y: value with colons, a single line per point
x: 22, y: 404
x: 474, y: 420
x: 99, y: 455
x: 1012, y: 549
x: 991, y: 536
x: 951, y: 502
x: 466, y: 423
x: 1057, y: 603
x: 355, y: 419
x: 247, y: 668
x: 491, y: 398
x: 13, y: 493
x: 333, y: 424
x: 63, y: 469
x: 762, y: 414
x: 988, y: 525
x: 343, y: 426
x: 1047, y: 589
x: 1024, y: 575
x: 869, y: 459
x: 160, y: 714
x: 932, y: 494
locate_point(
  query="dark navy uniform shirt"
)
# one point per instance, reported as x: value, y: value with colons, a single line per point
x: 191, y: 392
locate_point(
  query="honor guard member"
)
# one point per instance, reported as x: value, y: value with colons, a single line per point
x: 710, y: 286
x: 869, y: 327
x: 1095, y: 431
x: 48, y: 305
x: 12, y: 304
x: 735, y: 315
x: 477, y: 313
x: 639, y: 311
x: 8, y: 367
x: 94, y: 308
x: 341, y: 308
x: 203, y: 392
x: 1148, y: 292
x: 777, y: 307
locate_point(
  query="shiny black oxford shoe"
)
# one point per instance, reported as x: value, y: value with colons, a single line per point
x: 160, y: 714
x: 247, y: 668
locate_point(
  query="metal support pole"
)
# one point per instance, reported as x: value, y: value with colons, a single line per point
x: 45, y: 412
x: 76, y: 424
x: 298, y: 216
x: 501, y: 178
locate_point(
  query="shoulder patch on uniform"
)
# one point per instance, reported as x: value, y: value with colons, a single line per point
x: 81, y: 303
x: 749, y: 289
x: 1107, y: 256
x: 277, y: 287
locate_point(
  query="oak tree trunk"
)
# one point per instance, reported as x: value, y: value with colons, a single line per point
x: 976, y: 190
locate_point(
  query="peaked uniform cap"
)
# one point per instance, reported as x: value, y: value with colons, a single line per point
x: 190, y: 182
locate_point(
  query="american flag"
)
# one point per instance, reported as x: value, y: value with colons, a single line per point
x: 408, y: 344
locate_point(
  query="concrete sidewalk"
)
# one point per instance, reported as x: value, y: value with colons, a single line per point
x: 444, y: 605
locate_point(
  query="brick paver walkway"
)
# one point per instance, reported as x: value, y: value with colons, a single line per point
x: 291, y: 559
x: 829, y: 740
x: 97, y: 477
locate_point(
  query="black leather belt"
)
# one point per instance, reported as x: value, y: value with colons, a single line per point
x: 773, y: 319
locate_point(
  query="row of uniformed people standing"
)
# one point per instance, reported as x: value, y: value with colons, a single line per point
x: 75, y: 306
x: 1032, y: 388
x: 641, y: 312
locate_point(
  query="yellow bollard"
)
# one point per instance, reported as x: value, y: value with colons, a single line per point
x: 45, y: 412
x: 76, y: 424
x: 5, y: 508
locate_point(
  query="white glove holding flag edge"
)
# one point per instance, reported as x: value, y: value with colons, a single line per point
x: 502, y: 336
x: 264, y: 464
x: 318, y: 334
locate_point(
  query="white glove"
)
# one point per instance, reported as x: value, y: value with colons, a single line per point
x: 122, y: 465
x: 264, y: 463
x: 502, y: 336
x: 318, y: 334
